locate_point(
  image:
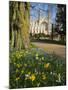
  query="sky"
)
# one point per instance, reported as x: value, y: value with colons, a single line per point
x: 44, y: 13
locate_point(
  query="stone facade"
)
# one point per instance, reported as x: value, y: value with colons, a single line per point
x: 43, y: 25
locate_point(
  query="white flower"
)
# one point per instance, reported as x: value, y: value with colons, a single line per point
x: 26, y: 75
x: 59, y: 78
x: 51, y: 72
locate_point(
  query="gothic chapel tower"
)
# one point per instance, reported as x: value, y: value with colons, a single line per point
x: 49, y: 20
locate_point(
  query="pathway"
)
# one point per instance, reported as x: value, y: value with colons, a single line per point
x: 50, y: 48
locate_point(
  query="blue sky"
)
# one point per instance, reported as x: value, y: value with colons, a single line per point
x: 44, y: 6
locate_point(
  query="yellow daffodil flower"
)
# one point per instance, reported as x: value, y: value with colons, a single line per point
x: 22, y: 71
x: 14, y: 63
x: 36, y: 54
x: 36, y: 57
x: 42, y: 58
x: 46, y: 65
x: 32, y: 77
x: 17, y: 78
x: 18, y: 65
x: 43, y: 77
x: 29, y: 73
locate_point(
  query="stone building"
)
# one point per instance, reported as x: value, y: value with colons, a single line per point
x: 41, y: 25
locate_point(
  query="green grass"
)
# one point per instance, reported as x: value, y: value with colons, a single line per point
x: 49, y: 41
x: 35, y: 68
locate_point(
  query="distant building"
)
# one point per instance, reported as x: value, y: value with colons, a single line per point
x: 41, y: 25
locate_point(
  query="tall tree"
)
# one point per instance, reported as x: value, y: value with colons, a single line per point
x: 19, y: 24
x: 61, y: 20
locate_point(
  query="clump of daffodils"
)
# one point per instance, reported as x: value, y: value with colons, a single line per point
x: 46, y: 65
x: 17, y: 78
x: 19, y: 65
x: 18, y: 55
x: 37, y: 56
x: 25, y: 65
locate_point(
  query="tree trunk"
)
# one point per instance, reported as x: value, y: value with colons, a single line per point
x: 24, y: 24
x: 20, y: 27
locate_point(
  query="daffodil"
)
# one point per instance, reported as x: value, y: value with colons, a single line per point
x: 38, y: 84
x: 26, y: 51
x: 17, y: 78
x: 46, y: 65
x: 42, y: 58
x: 43, y: 77
x: 25, y: 65
x: 29, y: 73
x: 18, y: 65
x: 32, y: 77
x: 14, y: 63
x: 59, y: 78
x: 36, y: 56
x: 22, y: 71
x: 26, y: 76
x: 18, y: 55
x: 42, y: 72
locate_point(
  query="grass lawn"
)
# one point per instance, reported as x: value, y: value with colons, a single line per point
x: 49, y: 41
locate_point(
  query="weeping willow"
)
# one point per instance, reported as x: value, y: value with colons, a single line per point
x: 19, y: 17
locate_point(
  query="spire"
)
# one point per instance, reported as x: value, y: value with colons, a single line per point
x: 49, y: 13
x: 39, y: 15
x: 49, y: 19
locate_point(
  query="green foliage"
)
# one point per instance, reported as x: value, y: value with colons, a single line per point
x: 34, y: 68
x: 61, y: 19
